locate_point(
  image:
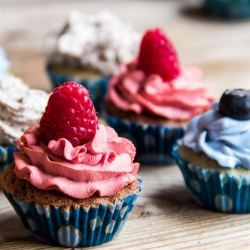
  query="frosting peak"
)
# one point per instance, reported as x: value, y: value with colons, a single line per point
x: 104, y: 165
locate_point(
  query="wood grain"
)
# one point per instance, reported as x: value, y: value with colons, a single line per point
x: 165, y: 216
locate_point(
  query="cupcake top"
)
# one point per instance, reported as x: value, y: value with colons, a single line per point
x: 20, y: 107
x: 155, y: 83
x: 4, y: 63
x: 89, y: 159
x: 223, y: 133
x: 98, y: 42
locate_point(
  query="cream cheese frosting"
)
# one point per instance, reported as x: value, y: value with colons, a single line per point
x: 99, y: 42
x: 20, y: 107
x: 103, y: 165
x: 221, y: 138
x: 180, y: 99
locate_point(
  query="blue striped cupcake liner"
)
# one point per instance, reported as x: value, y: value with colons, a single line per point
x: 229, y: 8
x: 97, y: 87
x: 153, y: 143
x: 6, y: 156
x: 75, y: 227
x: 216, y: 190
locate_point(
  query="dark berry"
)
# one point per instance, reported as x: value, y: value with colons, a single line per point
x: 235, y: 103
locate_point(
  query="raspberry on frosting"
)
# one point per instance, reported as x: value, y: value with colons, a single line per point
x: 70, y: 114
x: 155, y: 83
x: 158, y: 56
x: 92, y: 160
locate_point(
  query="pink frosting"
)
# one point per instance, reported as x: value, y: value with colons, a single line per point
x: 179, y: 99
x: 104, y: 165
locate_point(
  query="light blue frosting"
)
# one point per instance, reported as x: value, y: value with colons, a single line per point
x: 221, y: 138
x: 4, y: 63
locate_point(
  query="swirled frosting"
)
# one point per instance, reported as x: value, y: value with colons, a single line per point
x: 104, y: 165
x: 221, y: 138
x: 179, y: 99
x: 20, y: 107
x: 99, y: 42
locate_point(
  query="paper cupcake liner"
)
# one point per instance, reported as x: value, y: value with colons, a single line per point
x: 216, y: 190
x: 71, y: 227
x: 229, y: 8
x: 153, y: 143
x: 6, y: 156
x: 97, y: 87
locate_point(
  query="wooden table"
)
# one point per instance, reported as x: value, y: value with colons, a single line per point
x: 165, y: 216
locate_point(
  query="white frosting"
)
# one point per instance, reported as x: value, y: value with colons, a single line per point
x: 20, y: 107
x: 101, y: 42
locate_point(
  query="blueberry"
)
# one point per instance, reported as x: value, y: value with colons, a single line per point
x: 235, y: 103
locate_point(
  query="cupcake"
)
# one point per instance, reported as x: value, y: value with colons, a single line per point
x: 4, y: 63
x: 74, y: 182
x: 20, y: 107
x: 152, y: 98
x: 215, y: 154
x: 229, y: 8
x: 89, y: 49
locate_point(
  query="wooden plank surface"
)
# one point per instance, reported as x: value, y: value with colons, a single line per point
x: 165, y: 216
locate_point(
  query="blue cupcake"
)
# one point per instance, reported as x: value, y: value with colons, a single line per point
x: 89, y: 49
x: 215, y: 155
x: 229, y: 8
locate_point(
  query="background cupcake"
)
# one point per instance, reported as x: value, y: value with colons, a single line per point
x: 229, y: 8
x: 215, y: 154
x: 4, y: 63
x: 20, y: 107
x: 152, y: 98
x: 89, y: 49
x: 73, y: 187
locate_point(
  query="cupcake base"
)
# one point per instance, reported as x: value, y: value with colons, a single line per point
x: 153, y: 142
x: 216, y: 190
x: 77, y: 225
x: 71, y: 227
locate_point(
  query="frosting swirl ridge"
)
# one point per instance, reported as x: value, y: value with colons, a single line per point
x: 179, y: 99
x: 104, y: 165
x: 221, y: 138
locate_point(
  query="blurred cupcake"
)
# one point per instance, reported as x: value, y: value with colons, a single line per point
x: 89, y: 49
x: 20, y: 107
x: 4, y: 63
x: 76, y: 186
x: 152, y: 98
x: 215, y: 154
x: 229, y: 8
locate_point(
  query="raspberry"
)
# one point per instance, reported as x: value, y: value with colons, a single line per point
x: 69, y: 114
x: 158, y: 56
